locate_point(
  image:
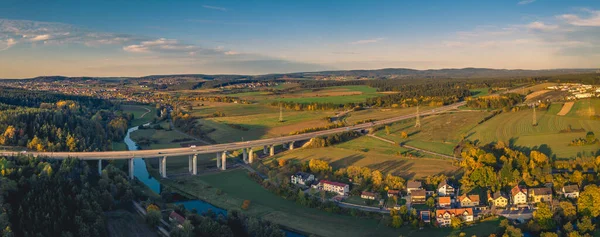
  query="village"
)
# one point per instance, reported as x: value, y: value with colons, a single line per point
x: 444, y: 204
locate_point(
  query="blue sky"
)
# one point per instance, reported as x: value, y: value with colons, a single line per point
x: 134, y: 38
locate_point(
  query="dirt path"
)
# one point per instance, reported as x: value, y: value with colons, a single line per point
x: 566, y: 108
x: 144, y: 114
x: 413, y: 148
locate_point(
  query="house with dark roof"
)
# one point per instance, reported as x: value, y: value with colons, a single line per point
x: 540, y: 195
x: 413, y: 185
x: 445, y: 189
x: 393, y: 193
x: 418, y: 196
x: 368, y: 195
x: 571, y: 191
x: 498, y: 199
x: 302, y: 178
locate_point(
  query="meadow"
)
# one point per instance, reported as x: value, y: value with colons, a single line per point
x: 516, y: 128
x: 438, y: 133
x: 141, y: 114
x: 375, y: 154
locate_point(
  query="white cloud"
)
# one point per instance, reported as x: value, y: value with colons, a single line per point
x: 7, y: 44
x: 231, y: 52
x: 160, y: 45
x: 538, y: 25
x: 214, y: 8
x: 592, y: 20
x: 525, y: 2
x: 40, y: 37
x: 368, y: 41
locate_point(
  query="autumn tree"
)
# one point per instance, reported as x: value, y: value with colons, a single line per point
x: 587, y: 203
x: 404, y: 134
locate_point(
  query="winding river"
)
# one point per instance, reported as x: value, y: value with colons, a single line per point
x: 142, y: 174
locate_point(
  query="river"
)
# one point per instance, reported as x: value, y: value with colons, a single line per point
x: 141, y: 173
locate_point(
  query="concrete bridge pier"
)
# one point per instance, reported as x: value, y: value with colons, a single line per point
x: 245, y: 155
x: 131, y: 169
x: 265, y: 150
x: 291, y: 146
x: 163, y: 167
x: 219, y: 160
x: 190, y: 165
x: 272, y: 150
x: 250, y: 156
x: 195, y: 164
x: 100, y: 167
x: 224, y: 160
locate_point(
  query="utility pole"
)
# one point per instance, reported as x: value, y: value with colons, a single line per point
x: 418, y: 122
x: 534, y: 117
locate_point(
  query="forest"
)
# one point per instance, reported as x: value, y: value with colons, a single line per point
x: 56, y: 122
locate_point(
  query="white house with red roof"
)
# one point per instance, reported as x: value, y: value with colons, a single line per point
x: 334, y: 187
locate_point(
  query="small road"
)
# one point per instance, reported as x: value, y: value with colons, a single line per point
x: 524, y: 214
x: 363, y: 208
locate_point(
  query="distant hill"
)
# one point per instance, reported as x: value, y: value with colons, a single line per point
x: 389, y: 73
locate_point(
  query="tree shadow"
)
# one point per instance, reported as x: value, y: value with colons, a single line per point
x: 347, y: 161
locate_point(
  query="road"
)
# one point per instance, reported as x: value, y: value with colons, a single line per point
x: 208, y: 149
x: 413, y: 148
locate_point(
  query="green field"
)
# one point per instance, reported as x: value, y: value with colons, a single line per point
x: 237, y: 187
x: 480, y: 92
x: 438, y: 133
x: 375, y: 154
x: 330, y: 95
x: 516, y: 128
x: 140, y: 113
x: 585, y: 108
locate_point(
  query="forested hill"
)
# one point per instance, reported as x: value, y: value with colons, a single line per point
x: 44, y: 121
x: 375, y: 73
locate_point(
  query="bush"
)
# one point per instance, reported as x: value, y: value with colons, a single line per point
x: 246, y: 205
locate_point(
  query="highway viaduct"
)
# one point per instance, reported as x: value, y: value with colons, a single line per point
x: 220, y: 150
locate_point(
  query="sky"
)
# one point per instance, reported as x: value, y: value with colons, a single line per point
x: 137, y: 38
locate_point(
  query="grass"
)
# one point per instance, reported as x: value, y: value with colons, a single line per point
x: 480, y: 92
x: 163, y: 137
x: 585, y: 108
x: 119, y: 146
x: 140, y: 113
x: 375, y: 154
x: 515, y: 128
x: 439, y: 133
x: 336, y: 95
x: 359, y: 201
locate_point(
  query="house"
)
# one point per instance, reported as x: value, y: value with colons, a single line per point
x: 497, y: 199
x: 413, y: 185
x: 444, y: 202
x: 418, y: 196
x: 468, y: 200
x: 334, y: 187
x: 444, y: 216
x: 175, y: 217
x: 571, y: 191
x: 540, y: 195
x: 518, y: 195
x: 302, y: 178
x: 393, y: 193
x: 444, y: 189
x: 368, y: 195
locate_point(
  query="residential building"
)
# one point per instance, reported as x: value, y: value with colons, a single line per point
x: 175, y: 217
x: 444, y: 216
x: 540, y: 195
x: 334, y: 187
x: 468, y: 200
x: 413, y: 185
x: 368, y: 195
x: 445, y: 189
x: 302, y: 178
x: 497, y: 199
x: 518, y: 195
x: 418, y: 196
x: 571, y: 191
x: 444, y: 202
x: 392, y: 193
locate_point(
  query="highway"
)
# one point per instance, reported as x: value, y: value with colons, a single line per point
x: 207, y: 149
